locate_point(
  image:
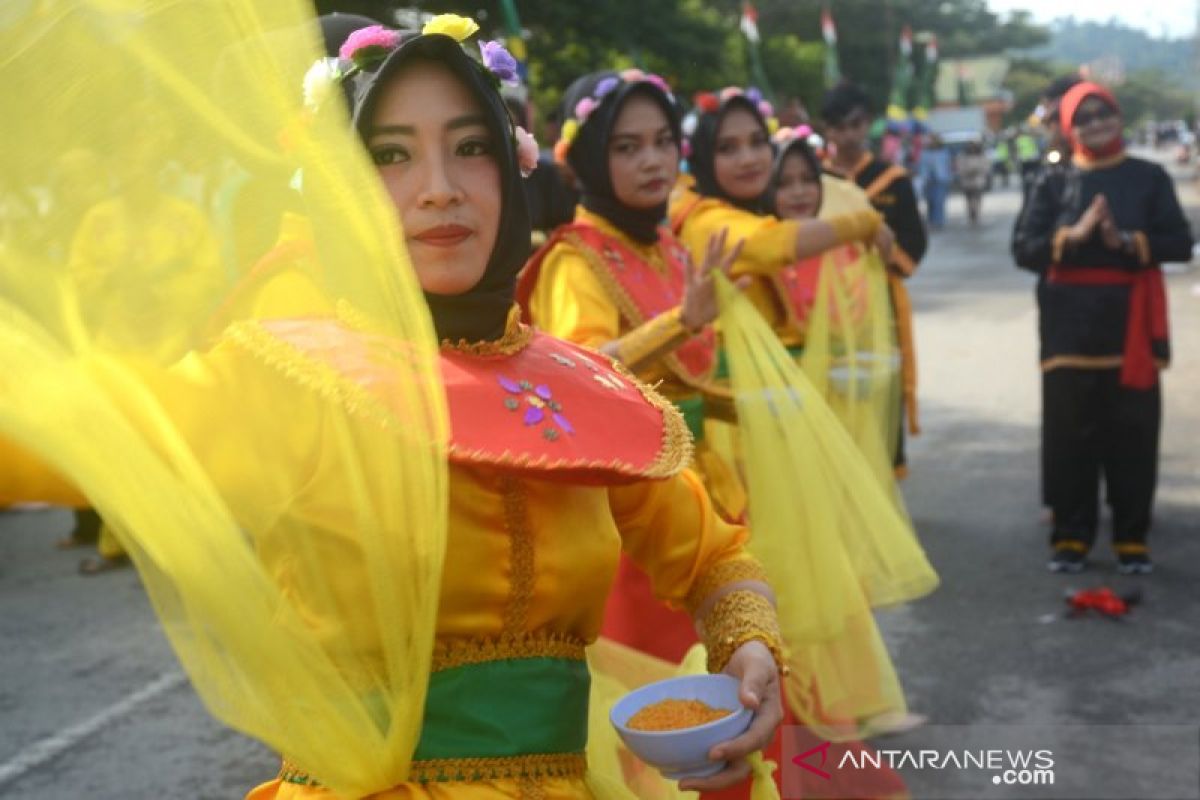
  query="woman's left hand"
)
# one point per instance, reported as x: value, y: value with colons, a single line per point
x: 754, y: 666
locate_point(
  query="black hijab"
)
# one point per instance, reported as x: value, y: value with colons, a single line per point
x: 588, y: 151
x: 798, y: 145
x: 480, y: 313
x: 704, y: 151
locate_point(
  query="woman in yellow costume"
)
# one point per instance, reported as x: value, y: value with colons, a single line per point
x: 730, y: 157
x: 616, y: 279
x: 836, y: 307
x: 390, y: 643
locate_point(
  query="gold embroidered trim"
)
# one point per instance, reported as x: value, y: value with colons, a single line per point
x: 535, y: 765
x: 857, y: 226
x: 656, y: 339
x: 290, y: 773
x: 745, y: 568
x: 1130, y: 548
x: 676, y: 450
x: 515, y: 339
x: 737, y: 618
x: 451, y: 653
x: 442, y: 770
x: 1091, y: 362
x: 520, y: 537
x: 311, y: 373
x: 1083, y: 162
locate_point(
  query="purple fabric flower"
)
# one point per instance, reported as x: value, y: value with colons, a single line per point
x: 753, y: 94
x: 499, y: 61
x: 562, y: 423
x: 605, y: 86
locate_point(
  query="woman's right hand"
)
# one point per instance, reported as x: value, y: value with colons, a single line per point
x: 699, y: 306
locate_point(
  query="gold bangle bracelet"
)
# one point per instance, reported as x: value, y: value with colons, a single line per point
x: 739, y: 617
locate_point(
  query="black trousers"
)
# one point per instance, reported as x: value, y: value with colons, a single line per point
x: 1094, y: 429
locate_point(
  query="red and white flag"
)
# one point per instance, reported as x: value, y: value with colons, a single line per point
x: 828, y: 31
x: 749, y: 23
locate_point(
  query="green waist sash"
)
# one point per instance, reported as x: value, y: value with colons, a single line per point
x: 506, y: 708
x: 692, y: 409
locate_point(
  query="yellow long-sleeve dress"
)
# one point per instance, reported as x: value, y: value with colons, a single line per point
x: 594, y: 285
x: 560, y: 460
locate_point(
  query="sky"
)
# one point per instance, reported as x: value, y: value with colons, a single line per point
x: 1176, y: 17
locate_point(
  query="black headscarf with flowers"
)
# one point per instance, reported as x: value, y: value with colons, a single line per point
x: 600, y: 97
x: 800, y: 146
x: 711, y: 112
x: 480, y: 313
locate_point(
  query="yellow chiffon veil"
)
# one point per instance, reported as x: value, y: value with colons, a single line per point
x: 289, y: 527
x: 829, y: 534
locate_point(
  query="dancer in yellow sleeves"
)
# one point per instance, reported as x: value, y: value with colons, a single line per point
x: 382, y: 556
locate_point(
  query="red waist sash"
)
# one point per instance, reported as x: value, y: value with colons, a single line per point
x: 1147, y: 315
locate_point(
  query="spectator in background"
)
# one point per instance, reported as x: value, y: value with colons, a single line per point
x: 972, y: 168
x: 936, y: 174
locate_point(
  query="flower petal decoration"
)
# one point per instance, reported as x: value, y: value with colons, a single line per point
x: 605, y: 86
x: 570, y: 130
x: 527, y: 151
x: 730, y: 92
x: 658, y: 81
x: 534, y: 415
x: 367, y: 45
x: 754, y: 95
x: 319, y: 81
x: 584, y: 109
x: 560, y: 151
x: 457, y: 28
x: 707, y: 102
x: 499, y: 61
x: 632, y: 74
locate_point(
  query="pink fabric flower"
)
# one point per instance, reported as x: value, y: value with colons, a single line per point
x: 584, y: 109
x: 632, y: 74
x: 364, y: 38
x: 730, y: 92
x: 527, y: 151
x: 766, y: 109
x: 659, y: 82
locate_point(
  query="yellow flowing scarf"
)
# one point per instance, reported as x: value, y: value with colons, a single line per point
x: 289, y: 530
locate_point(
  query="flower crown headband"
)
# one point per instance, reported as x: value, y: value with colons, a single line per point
x: 710, y: 103
x: 368, y: 47
x: 588, y: 105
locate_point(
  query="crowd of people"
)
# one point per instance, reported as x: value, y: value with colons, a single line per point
x: 475, y: 433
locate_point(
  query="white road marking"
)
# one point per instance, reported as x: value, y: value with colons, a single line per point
x: 38, y: 753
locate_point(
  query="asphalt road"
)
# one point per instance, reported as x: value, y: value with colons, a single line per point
x: 92, y: 704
